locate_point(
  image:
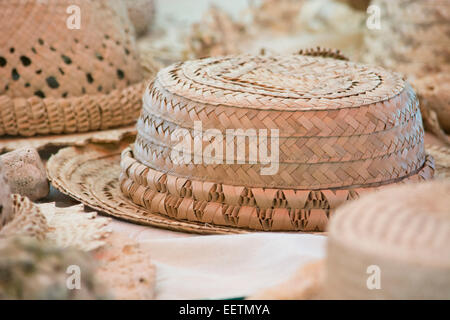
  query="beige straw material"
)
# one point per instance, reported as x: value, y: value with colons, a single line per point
x: 91, y: 173
x: 58, y: 80
x: 122, y: 265
x: 434, y: 96
x: 343, y: 128
x: 413, y: 37
x: 361, y: 127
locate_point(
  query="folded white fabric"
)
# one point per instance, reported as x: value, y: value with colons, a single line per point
x: 231, y: 266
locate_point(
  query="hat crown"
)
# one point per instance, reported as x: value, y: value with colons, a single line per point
x: 62, y: 48
x: 339, y: 124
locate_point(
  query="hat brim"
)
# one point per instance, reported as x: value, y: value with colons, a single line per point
x: 90, y: 174
x: 185, y: 198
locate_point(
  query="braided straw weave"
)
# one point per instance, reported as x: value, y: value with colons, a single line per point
x: 343, y: 128
x: 405, y: 231
x: 54, y: 79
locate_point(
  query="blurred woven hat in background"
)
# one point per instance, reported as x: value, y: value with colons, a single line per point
x: 391, y: 244
x: 67, y: 67
x: 414, y: 38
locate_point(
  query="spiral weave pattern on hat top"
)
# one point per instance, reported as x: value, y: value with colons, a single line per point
x: 404, y: 231
x: 54, y: 79
x: 342, y: 127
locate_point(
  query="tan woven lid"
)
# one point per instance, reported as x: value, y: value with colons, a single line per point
x: 58, y: 78
x: 343, y: 128
x: 404, y: 231
x: 285, y: 83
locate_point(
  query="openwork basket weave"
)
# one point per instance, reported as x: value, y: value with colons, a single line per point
x: 60, y: 77
x: 343, y: 128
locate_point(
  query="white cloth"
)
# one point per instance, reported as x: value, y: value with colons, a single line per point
x: 230, y: 266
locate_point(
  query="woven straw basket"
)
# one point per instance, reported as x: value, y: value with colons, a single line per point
x: 57, y: 78
x: 344, y: 129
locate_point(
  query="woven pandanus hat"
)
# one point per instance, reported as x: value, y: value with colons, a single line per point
x: 338, y: 129
x: 67, y: 67
x: 391, y: 244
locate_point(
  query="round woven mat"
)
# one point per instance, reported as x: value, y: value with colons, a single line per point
x: 90, y: 174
